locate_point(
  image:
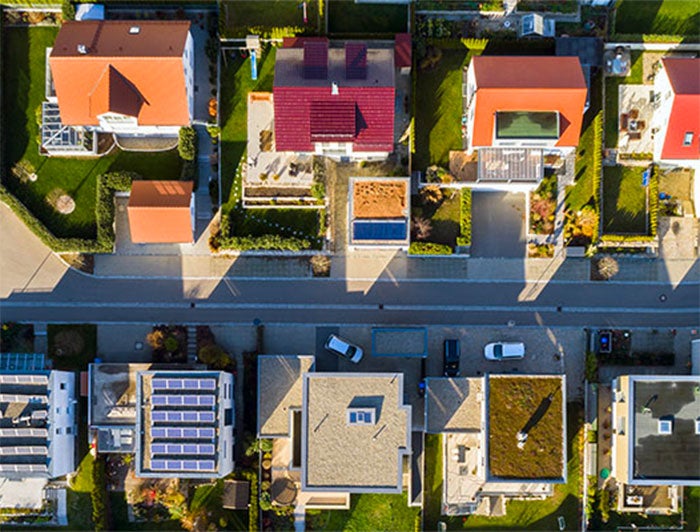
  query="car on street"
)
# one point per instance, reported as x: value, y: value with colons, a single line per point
x: 341, y: 347
x: 450, y: 358
x: 504, y: 350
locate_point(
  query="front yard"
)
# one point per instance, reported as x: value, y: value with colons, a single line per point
x: 23, y: 93
x: 624, y: 200
x: 437, y: 222
x: 368, y: 511
x: 662, y: 17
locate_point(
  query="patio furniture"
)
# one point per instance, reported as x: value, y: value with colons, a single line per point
x: 624, y: 121
x: 634, y: 114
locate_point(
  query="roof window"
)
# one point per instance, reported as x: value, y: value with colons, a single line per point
x: 688, y: 138
x: 666, y: 426
x: 135, y: 30
x: 362, y: 416
x: 697, y: 426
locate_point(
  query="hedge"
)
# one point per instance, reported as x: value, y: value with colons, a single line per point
x: 465, y: 218
x: 597, y: 157
x: 253, y: 508
x: 429, y: 248
x: 641, y: 239
x: 100, y: 501
x: 653, y: 200
x: 223, y: 240
x: 107, y: 184
x: 654, y: 38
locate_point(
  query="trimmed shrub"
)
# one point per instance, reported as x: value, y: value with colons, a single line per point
x: 465, y: 218
x: 100, y: 501
x: 654, y: 200
x: 68, y: 10
x: 429, y: 248
x: 318, y: 190
x: 253, y: 508
x: 597, y: 158
x: 629, y: 239
x: 187, y: 143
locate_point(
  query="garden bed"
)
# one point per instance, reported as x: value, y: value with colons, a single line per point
x: 435, y: 216
x: 169, y: 344
x: 379, y: 199
x: 543, y: 204
x: 16, y: 337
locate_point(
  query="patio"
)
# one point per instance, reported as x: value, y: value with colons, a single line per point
x: 268, y: 168
x: 634, y: 121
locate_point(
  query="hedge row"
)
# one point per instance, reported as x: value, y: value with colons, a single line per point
x: 655, y: 38
x: 429, y: 248
x: 100, y: 508
x: 597, y: 157
x: 653, y: 200
x: 187, y: 143
x: 633, y: 239
x: 253, y: 508
x: 223, y: 240
x: 465, y: 218
x: 107, y: 184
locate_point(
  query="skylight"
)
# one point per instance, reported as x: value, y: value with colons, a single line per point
x: 361, y: 416
x: 527, y: 125
x: 688, y: 138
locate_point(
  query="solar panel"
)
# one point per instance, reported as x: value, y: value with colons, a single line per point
x: 356, y: 61
x: 190, y: 417
x: 159, y: 400
x: 158, y: 464
x: 159, y: 384
x: 159, y: 416
x: 191, y: 384
x: 207, y: 417
x: 315, y: 60
x: 190, y: 433
x: 206, y: 465
x: 159, y: 433
x: 189, y: 465
x: 207, y: 384
x: 366, y: 230
x: 158, y: 448
x: 176, y: 433
x: 206, y: 400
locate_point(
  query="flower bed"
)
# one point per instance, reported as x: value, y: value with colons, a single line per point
x: 543, y: 204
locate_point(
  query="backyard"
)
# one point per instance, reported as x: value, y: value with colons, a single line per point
x: 661, y: 17
x: 531, y: 515
x: 624, y: 200
x: 244, y: 17
x: 611, y: 97
x: 439, y: 109
x: 368, y: 511
x: 23, y: 94
x: 442, y: 217
x: 346, y: 17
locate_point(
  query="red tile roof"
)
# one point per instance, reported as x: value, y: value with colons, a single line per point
x: 374, y: 119
x: 123, y: 71
x: 332, y: 121
x: 684, y: 75
x: 528, y: 84
x: 402, y: 50
x: 159, y: 212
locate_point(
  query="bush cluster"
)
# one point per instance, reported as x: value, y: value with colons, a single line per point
x: 100, y: 508
x: 429, y: 248
x: 465, y: 218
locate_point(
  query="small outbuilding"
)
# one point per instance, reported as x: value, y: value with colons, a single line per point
x: 161, y: 212
x: 236, y: 495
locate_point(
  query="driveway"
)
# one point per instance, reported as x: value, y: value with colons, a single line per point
x: 498, y: 224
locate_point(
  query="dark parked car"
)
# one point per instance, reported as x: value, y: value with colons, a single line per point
x: 450, y: 359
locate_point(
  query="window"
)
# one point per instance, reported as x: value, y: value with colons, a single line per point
x: 688, y: 138
x: 58, y: 430
x: 697, y: 426
x: 666, y: 426
x: 361, y: 416
x: 58, y: 410
x: 63, y: 386
x: 69, y: 430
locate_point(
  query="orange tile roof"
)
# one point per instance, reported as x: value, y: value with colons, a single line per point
x: 136, y: 74
x: 528, y: 84
x: 159, y: 212
x: 684, y: 75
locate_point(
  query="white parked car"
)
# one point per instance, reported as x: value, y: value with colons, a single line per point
x: 504, y: 350
x: 339, y: 346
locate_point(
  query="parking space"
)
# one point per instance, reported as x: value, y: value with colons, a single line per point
x: 498, y: 224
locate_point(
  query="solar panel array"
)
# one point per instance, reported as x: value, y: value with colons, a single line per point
x: 183, y: 422
x: 380, y: 230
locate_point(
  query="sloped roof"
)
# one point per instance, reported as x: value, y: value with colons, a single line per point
x: 373, y: 100
x: 332, y: 121
x: 159, y: 212
x: 121, y: 68
x: 684, y: 75
x: 506, y: 83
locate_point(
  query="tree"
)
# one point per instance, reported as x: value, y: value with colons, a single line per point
x: 431, y: 195
x: 421, y: 227
x: 156, y: 339
x: 607, y: 267
x: 214, y: 356
x: 68, y: 10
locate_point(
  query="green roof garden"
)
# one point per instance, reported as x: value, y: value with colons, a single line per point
x: 527, y: 125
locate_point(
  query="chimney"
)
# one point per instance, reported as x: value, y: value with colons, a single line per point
x: 315, y: 60
x: 355, y: 60
x: 82, y: 49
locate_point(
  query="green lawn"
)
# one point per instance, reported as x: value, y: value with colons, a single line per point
x: 444, y: 219
x: 23, y: 93
x: 624, y: 200
x: 345, y: 17
x: 582, y: 193
x: 236, y: 83
x: 72, y: 347
x: 663, y: 17
x: 439, y: 109
x: 367, y: 511
x: 611, y: 97
x: 284, y: 222
x: 243, y: 17
x: 521, y: 515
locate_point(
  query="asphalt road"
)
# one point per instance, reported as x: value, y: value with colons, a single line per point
x: 329, y: 302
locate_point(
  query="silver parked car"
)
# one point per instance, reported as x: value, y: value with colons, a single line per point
x: 339, y: 346
x: 504, y: 350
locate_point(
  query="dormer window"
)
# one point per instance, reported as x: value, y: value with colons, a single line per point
x: 666, y: 426
x: 697, y: 426
x: 362, y: 416
x: 688, y: 138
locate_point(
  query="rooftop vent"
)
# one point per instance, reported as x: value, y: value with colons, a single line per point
x: 697, y: 426
x: 135, y: 30
x: 82, y: 49
x: 362, y: 416
x: 666, y: 426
